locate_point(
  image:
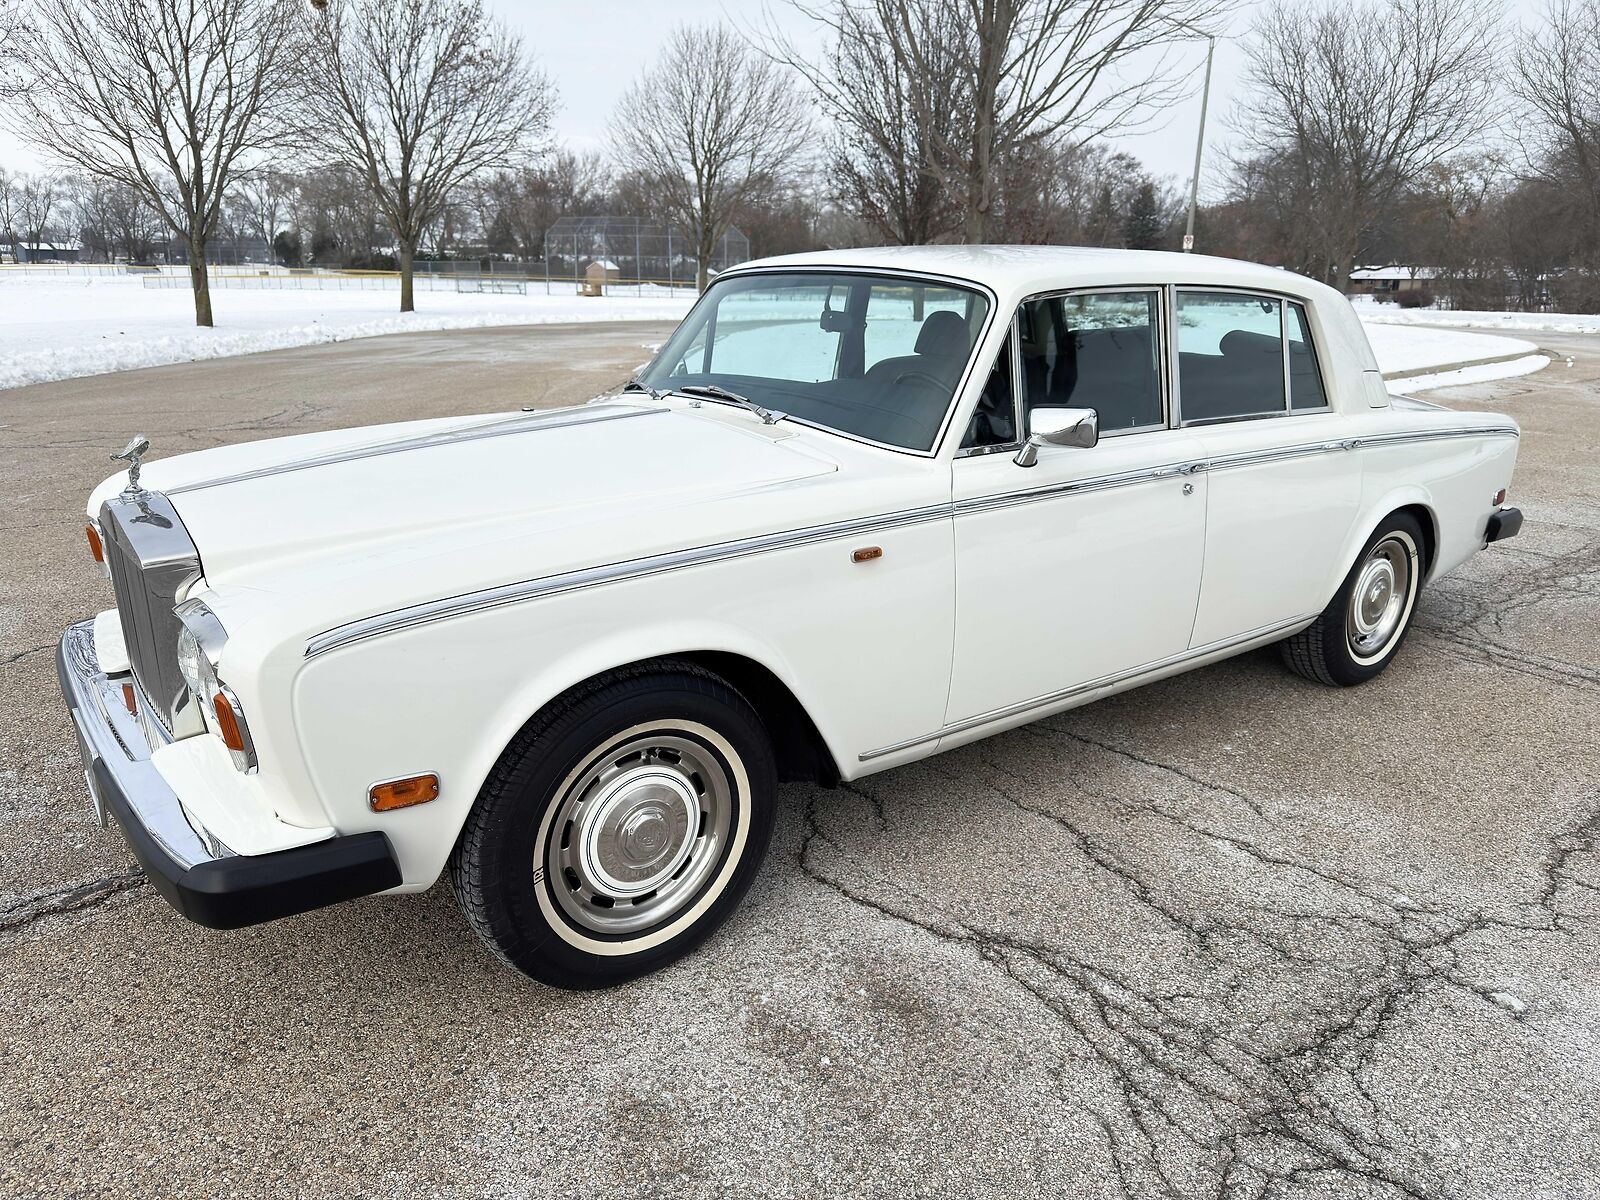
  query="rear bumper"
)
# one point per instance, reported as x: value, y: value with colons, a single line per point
x: 1503, y: 523
x: 203, y: 879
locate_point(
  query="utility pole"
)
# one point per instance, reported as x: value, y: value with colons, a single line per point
x: 1199, y: 147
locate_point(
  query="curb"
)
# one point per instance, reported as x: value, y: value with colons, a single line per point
x: 1412, y: 373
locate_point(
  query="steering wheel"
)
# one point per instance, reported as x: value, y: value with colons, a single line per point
x: 922, y: 375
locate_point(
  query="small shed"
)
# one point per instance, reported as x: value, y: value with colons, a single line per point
x: 597, y: 274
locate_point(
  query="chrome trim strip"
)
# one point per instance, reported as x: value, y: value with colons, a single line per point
x: 1430, y: 435
x: 571, y: 581
x: 1093, y: 685
x: 499, y: 427
x: 1093, y: 483
x: 656, y: 564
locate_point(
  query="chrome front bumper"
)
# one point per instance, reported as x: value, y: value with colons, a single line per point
x: 202, y: 878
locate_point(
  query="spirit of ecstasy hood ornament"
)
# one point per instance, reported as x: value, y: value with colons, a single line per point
x: 131, y: 454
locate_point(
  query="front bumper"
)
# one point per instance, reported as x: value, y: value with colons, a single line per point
x: 202, y: 878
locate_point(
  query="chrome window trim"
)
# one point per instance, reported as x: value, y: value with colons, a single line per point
x: 958, y: 394
x: 1162, y: 332
x: 538, y: 588
x: 1282, y: 299
x: 498, y: 426
x: 1316, y: 359
x: 1014, y: 332
x: 996, y: 715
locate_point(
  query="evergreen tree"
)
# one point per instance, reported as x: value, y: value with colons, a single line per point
x: 1102, y: 224
x: 1142, y: 227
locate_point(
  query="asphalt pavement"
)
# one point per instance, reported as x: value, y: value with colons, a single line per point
x: 1233, y: 934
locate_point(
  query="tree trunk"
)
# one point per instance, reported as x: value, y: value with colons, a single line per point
x: 200, y: 280
x: 408, y: 251
x: 706, y: 246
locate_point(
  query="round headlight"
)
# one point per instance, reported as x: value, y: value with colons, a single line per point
x: 193, y: 666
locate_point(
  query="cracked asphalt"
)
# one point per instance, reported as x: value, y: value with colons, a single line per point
x: 1230, y: 935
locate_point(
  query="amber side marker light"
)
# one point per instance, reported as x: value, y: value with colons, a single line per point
x: 866, y: 554
x: 227, y: 723
x: 95, y: 547
x: 403, y: 793
x: 1500, y: 497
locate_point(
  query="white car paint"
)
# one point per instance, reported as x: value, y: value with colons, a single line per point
x: 402, y: 599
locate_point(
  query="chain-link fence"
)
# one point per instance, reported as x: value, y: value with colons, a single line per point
x: 633, y: 250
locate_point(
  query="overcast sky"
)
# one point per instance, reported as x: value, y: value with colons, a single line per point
x: 593, y: 50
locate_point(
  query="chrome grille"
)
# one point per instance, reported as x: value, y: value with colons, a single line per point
x: 152, y: 561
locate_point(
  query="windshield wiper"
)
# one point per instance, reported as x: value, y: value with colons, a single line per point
x: 768, y: 416
x: 634, y: 385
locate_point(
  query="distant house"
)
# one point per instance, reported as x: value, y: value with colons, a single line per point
x: 49, y: 252
x: 1384, y: 283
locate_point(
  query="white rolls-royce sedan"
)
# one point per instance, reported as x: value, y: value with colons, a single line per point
x: 566, y: 656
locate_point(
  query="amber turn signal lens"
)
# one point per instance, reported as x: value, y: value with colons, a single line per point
x: 866, y: 554
x: 1500, y: 497
x: 128, y: 700
x: 95, y: 548
x: 403, y: 793
x: 227, y: 723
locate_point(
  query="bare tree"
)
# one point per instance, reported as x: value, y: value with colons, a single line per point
x: 1026, y: 71
x: 420, y: 97
x: 166, y: 97
x: 1351, y: 103
x: 892, y: 125
x: 8, y: 209
x: 712, y: 124
x: 265, y: 197
x: 1558, y: 76
x: 528, y: 201
x: 37, y: 195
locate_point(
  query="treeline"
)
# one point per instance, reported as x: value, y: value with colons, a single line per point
x: 369, y: 132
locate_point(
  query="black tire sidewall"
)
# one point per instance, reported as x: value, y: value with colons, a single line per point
x: 520, y: 928
x: 1340, y: 662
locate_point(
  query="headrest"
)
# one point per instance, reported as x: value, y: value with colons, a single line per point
x: 1242, y: 341
x: 943, y: 332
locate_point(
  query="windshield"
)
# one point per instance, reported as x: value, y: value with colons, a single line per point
x: 876, y: 357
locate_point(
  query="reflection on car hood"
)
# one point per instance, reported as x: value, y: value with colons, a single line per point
x: 336, y: 498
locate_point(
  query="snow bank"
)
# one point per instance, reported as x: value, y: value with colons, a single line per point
x: 1512, y: 322
x: 1484, y: 373
x: 63, y: 328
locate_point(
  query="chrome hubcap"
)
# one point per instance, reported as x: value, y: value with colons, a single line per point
x: 638, y: 833
x: 1381, y: 597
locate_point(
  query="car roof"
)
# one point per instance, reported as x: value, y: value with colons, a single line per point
x: 1013, y: 271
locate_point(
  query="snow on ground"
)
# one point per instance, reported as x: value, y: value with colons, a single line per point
x: 1403, y: 349
x: 69, y: 326
x: 65, y: 326
x: 1483, y: 373
x: 1512, y: 322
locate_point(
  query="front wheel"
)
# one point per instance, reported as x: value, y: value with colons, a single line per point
x: 1357, y: 635
x: 619, y: 828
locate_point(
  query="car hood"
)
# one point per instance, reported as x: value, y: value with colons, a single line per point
x: 371, y: 498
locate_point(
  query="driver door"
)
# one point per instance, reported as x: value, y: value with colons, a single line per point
x: 1086, y: 566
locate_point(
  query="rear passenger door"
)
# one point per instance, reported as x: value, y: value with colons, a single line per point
x: 1085, y: 566
x: 1283, y: 492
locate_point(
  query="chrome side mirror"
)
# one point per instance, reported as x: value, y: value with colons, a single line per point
x: 1075, y: 427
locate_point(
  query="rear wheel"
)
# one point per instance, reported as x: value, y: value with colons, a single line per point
x: 1359, y: 632
x: 620, y: 828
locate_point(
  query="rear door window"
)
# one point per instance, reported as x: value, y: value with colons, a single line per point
x: 1230, y: 356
